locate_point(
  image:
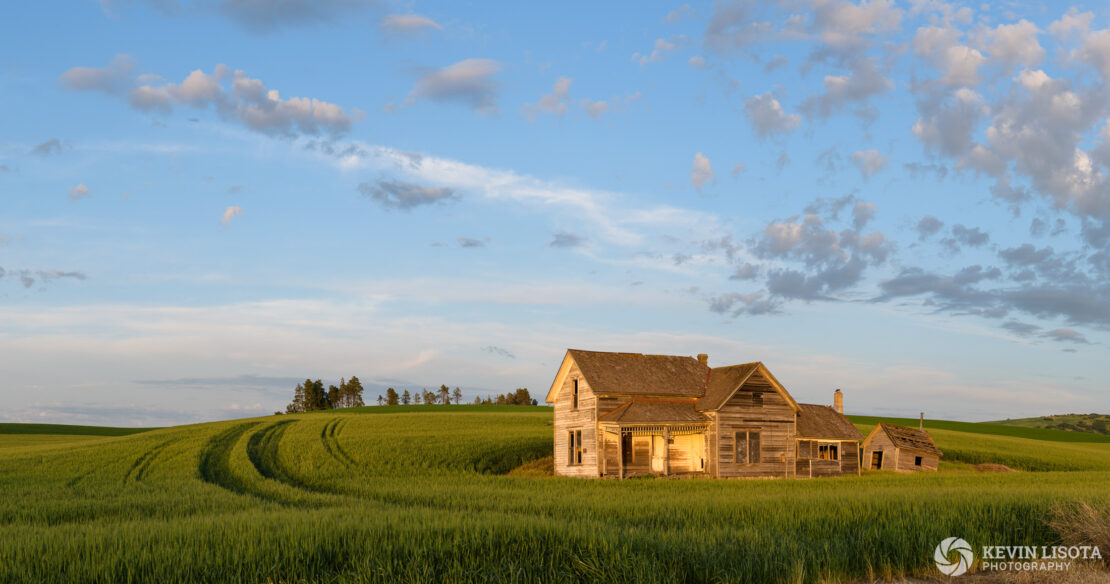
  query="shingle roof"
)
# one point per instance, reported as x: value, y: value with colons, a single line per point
x: 654, y: 411
x: 638, y: 374
x: 722, y: 382
x: 911, y: 438
x: 816, y: 421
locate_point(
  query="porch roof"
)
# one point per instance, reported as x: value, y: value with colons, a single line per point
x: 654, y: 411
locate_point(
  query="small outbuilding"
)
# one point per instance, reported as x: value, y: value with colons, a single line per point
x: 900, y: 448
x: 827, y: 442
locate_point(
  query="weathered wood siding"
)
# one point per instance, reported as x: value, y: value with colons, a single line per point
x: 773, y: 419
x: 878, y: 442
x: 584, y: 418
x: 905, y: 460
x: 849, y: 457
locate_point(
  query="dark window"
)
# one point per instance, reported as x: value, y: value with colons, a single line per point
x: 917, y: 461
x: 757, y: 400
x: 828, y: 452
x: 574, y: 396
x: 747, y: 447
x: 574, y: 447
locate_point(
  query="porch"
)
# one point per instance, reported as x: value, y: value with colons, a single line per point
x: 662, y: 449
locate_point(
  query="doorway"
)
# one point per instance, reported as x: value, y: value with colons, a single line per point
x: 877, y: 460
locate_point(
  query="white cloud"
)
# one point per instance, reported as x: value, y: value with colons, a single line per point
x: 697, y: 62
x: 555, y: 103
x: 230, y: 213
x: 767, y: 117
x: 1014, y: 44
x: 248, y: 101
x: 659, y: 50
x: 469, y: 82
x: 78, y: 192
x: 408, y: 23
x: 701, y: 171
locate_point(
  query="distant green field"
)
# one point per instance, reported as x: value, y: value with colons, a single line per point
x: 987, y: 428
x: 419, y: 494
x: 43, y: 440
x: 58, y: 429
x: 1092, y: 423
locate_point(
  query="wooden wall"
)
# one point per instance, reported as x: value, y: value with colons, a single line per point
x: 898, y: 459
x: 584, y: 419
x: 774, y: 419
x: 810, y: 465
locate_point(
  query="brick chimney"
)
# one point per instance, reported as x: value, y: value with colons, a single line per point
x: 838, y: 401
x: 703, y: 359
x: 921, y: 424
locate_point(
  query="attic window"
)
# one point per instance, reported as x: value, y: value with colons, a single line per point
x: 574, y: 396
x: 757, y: 399
x: 917, y: 461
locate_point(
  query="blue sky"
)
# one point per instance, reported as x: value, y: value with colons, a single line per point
x: 203, y: 202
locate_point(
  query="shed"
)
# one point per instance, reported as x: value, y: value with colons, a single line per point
x: 900, y: 448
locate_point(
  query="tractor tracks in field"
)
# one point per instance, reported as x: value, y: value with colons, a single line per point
x: 329, y: 437
x: 142, y: 464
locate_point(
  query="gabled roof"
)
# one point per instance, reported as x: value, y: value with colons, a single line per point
x: 640, y: 410
x: 634, y: 374
x: 816, y: 421
x: 909, y: 438
x: 724, y: 381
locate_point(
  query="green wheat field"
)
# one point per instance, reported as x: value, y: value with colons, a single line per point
x: 425, y: 494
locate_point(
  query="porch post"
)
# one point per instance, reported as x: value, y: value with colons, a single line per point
x: 666, y: 450
x: 620, y: 449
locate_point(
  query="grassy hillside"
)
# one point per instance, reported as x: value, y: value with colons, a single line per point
x: 1092, y: 423
x: 423, y: 496
x: 992, y: 428
x: 66, y: 429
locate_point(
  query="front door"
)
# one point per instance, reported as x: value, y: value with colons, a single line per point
x: 658, y: 448
x: 877, y: 460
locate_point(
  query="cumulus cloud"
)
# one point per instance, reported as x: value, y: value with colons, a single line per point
x: 869, y: 162
x: 113, y: 79
x: 940, y: 46
x: 948, y: 123
x: 564, y: 239
x: 855, y: 89
x: 659, y: 50
x: 230, y: 213
x: 408, y: 23
x: 697, y: 62
x: 469, y: 82
x: 928, y: 226
x: 555, y: 103
x: 732, y: 26
x: 396, y: 194
x: 234, y: 95
x: 1014, y: 44
x: 78, y: 192
x: 701, y: 171
x: 767, y: 117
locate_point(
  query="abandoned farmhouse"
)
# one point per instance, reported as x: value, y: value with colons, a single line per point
x: 627, y: 414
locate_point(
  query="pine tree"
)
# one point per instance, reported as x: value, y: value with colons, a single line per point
x: 333, y: 397
x: 477, y: 400
x: 354, y: 393
x: 416, y: 399
x: 444, y: 395
x: 381, y: 400
x: 458, y: 396
x: 390, y: 396
x: 297, y: 405
x: 406, y: 397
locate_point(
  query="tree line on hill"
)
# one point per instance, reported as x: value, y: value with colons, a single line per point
x: 311, y: 396
x: 446, y: 396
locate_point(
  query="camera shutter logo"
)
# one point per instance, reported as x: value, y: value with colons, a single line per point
x: 953, y: 556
